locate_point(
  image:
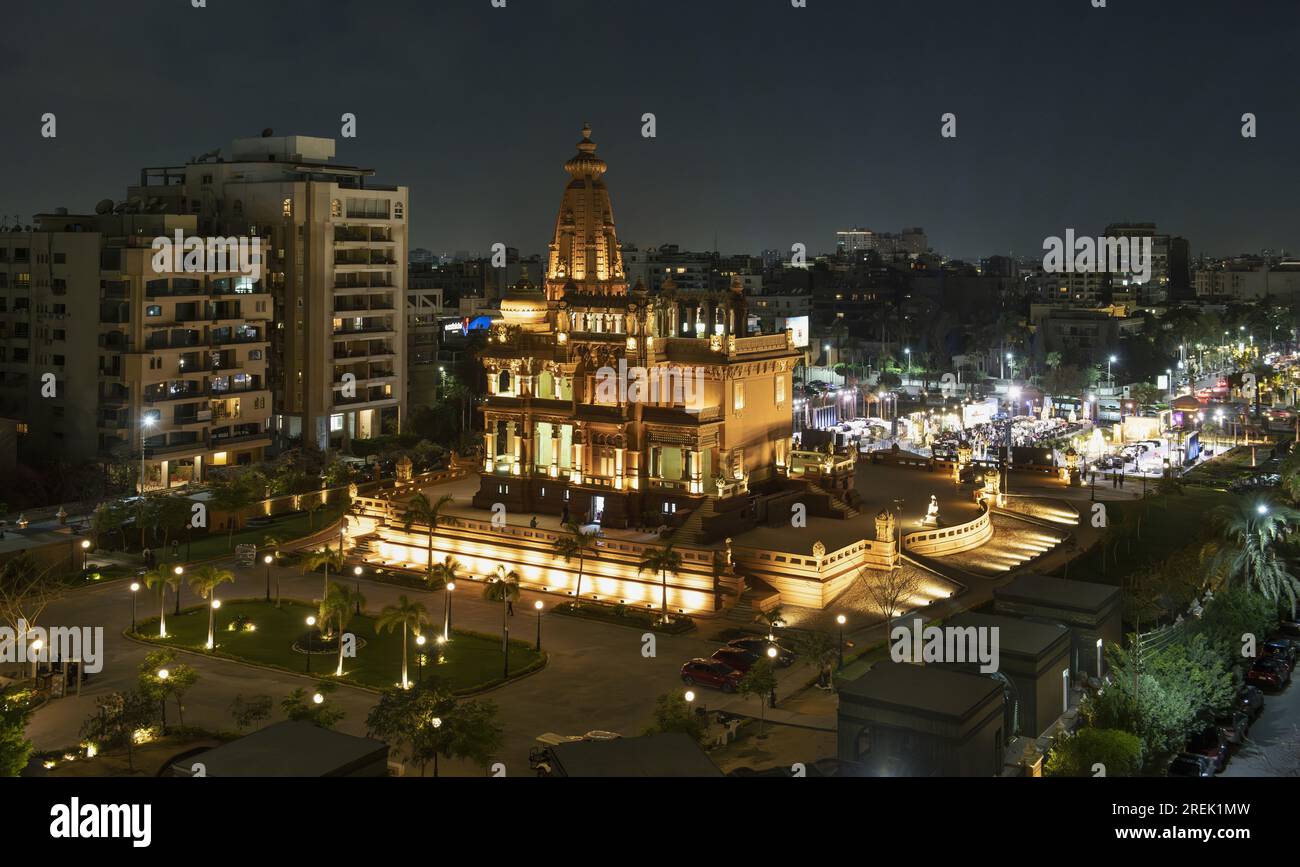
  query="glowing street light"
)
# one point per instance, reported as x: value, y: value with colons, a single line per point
x: 311, y: 622
x: 268, y: 560
x: 135, y: 590
x: 419, y: 658
x: 446, y: 610
x: 538, y: 605
x: 841, y: 620
x: 85, y: 552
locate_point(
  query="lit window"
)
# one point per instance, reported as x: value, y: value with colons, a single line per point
x: 286, y: 207
x: 780, y: 389
x: 738, y: 396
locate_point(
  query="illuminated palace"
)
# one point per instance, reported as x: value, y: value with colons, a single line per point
x: 614, y: 405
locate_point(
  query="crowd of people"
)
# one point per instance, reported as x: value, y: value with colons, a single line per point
x: 987, y: 437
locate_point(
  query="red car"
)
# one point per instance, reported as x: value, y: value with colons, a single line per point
x: 1269, y: 671
x: 711, y: 672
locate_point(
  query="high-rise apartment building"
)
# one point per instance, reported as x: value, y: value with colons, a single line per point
x: 336, y: 254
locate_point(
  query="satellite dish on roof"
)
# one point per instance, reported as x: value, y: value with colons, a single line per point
x: 105, y: 206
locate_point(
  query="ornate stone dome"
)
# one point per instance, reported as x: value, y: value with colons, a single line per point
x: 524, y: 304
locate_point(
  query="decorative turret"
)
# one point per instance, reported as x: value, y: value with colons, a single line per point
x: 585, y: 249
x: 884, y: 526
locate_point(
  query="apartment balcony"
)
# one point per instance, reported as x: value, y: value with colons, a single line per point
x: 361, y: 282
x: 363, y: 235
x: 362, y: 258
x: 372, y: 308
x: 375, y: 331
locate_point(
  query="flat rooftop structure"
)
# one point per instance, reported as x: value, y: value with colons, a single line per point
x: 292, y: 749
x: 668, y: 754
x: 1016, y: 636
x: 928, y: 689
x: 1063, y: 593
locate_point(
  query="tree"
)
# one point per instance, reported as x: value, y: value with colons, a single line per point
x: 1251, y: 533
x: 326, y: 559
x: 337, y: 608
x: 582, y: 544
x: 673, y: 713
x: 405, y: 717
x: 760, y: 680
x: 26, y: 588
x: 408, y: 615
x: 419, y: 510
x: 299, y: 706
x: 251, y: 711
x: 172, y: 515
x: 470, y: 731
x: 160, y: 578
x: 446, y: 573
x: 119, y: 716
x: 15, y: 710
x: 232, y: 497
x: 204, y: 581
x: 822, y: 650
x: 158, y: 687
x: 1118, y: 752
x: 107, y: 519
x: 664, y: 561
x: 891, y: 590
x: 503, y: 587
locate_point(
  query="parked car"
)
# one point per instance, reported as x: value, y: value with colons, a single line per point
x: 1250, y: 699
x: 711, y: 672
x: 1234, y: 726
x: 759, y: 646
x: 735, y: 657
x: 1282, y: 647
x: 1211, y: 744
x: 1191, y: 765
x: 1269, y: 672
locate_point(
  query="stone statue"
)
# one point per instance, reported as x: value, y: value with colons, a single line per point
x: 932, y: 513
x: 885, y: 526
x: 352, y: 490
x: 404, y: 469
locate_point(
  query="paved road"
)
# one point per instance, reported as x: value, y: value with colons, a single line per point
x: 1273, y: 746
x: 597, y: 676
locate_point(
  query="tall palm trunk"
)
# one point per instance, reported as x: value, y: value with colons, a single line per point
x: 212, y: 612
x: 405, y: 681
x: 663, y: 582
x: 505, y: 624
x: 577, y: 594
x: 162, y: 613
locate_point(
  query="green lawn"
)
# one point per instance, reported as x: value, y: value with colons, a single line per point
x: 1228, y: 467
x: 218, y: 544
x: 472, y: 660
x: 1168, y: 524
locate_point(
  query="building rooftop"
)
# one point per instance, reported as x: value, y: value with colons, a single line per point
x: 931, y: 689
x: 1014, y: 635
x: 290, y: 749
x: 1042, y: 589
x: 669, y: 754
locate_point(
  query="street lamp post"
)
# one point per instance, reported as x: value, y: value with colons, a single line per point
x: 446, y: 611
x: 841, y: 620
x: 85, y: 553
x: 178, y: 571
x: 357, y: 572
x: 135, y: 589
x: 538, y: 606
x: 163, y: 674
x: 146, y: 422
x: 267, y: 560
x: 419, y: 658
x: 311, y: 621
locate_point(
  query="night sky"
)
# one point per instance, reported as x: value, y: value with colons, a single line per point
x: 775, y: 124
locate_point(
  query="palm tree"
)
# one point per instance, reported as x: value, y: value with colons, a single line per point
x: 408, y: 615
x: 1251, y: 532
x: 503, y: 586
x: 162, y: 577
x: 232, y: 498
x: 662, y: 560
x: 337, y: 607
x: 204, y: 581
x: 582, y: 544
x: 419, y: 510
x: 323, y: 558
x: 448, y: 571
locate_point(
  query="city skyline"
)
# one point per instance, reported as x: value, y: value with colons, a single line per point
x: 807, y: 158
